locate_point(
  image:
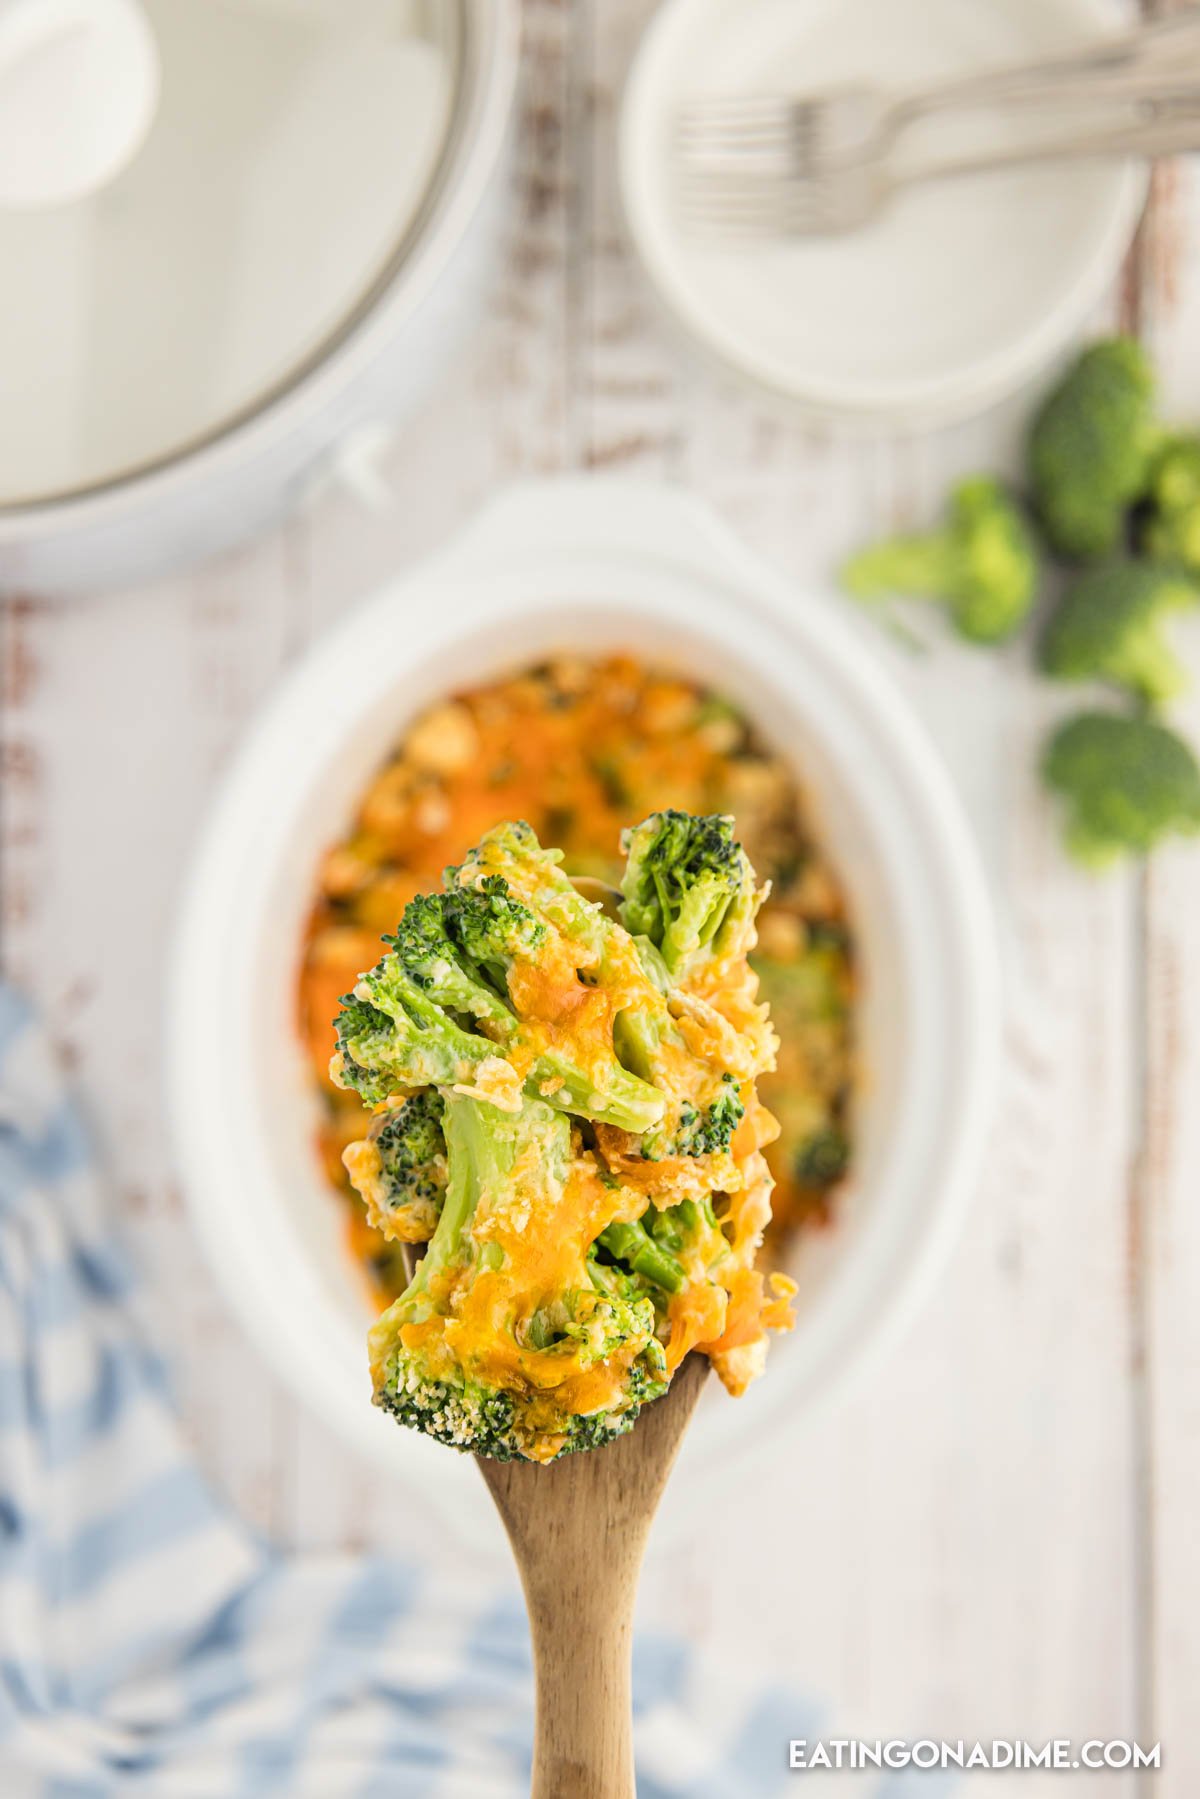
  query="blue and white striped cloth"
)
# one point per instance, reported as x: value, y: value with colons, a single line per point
x: 150, y: 1645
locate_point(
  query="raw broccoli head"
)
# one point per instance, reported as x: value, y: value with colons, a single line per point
x: 1172, y: 529
x: 1091, y: 448
x: 1108, y: 627
x: 688, y: 888
x: 1127, y: 783
x: 982, y: 564
x: 486, y: 1363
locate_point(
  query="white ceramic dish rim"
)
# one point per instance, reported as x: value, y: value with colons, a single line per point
x: 536, y: 551
x: 934, y: 400
x: 296, y: 407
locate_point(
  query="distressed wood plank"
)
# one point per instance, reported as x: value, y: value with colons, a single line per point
x: 1167, y: 1242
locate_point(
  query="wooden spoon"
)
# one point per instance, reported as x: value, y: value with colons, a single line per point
x: 578, y: 1530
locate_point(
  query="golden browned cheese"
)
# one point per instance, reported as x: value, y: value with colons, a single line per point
x: 580, y: 749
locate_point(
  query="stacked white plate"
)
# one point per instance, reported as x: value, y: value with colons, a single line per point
x: 950, y: 300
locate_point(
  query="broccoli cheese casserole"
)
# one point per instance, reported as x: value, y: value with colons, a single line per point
x: 582, y: 750
x: 565, y: 1113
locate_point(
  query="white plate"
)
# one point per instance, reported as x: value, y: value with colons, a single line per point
x: 959, y: 293
x: 589, y: 565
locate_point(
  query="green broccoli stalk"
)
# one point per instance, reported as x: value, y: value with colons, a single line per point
x: 1108, y: 627
x: 668, y: 1246
x: 634, y: 1247
x: 441, y: 1381
x: 691, y: 1232
x: 982, y: 564
x: 1091, y: 448
x: 1171, y: 531
x: 437, y: 1007
x: 1127, y: 784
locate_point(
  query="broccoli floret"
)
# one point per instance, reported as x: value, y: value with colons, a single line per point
x: 822, y: 1160
x: 688, y: 895
x: 459, y: 947
x: 432, y: 1366
x: 1091, y: 447
x: 1127, y: 783
x: 1108, y: 627
x: 688, y: 888
x: 486, y: 1421
x: 708, y: 1130
x: 511, y: 855
x: 437, y: 1006
x: 412, y: 1146
x: 400, y: 1169
x: 982, y: 564
x: 1171, y: 532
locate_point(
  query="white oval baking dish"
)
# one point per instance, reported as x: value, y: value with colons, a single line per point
x: 582, y: 565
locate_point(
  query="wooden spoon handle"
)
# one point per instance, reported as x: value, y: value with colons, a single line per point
x: 578, y: 1530
x: 582, y: 1647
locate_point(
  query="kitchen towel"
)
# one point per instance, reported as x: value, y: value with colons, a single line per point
x: 151, y: 1645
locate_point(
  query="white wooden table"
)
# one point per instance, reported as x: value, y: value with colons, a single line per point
x: 999, y: 1535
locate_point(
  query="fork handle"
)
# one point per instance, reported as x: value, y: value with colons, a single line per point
x: 1174, y: 135
x: 1127, y: 67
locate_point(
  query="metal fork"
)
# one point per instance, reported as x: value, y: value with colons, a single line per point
x: 847, y: 197
x: 812, y: 133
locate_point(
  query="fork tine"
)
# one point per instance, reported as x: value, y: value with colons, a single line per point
x: 693, y: 133
x: 734, y: 122
x: 699, y: 144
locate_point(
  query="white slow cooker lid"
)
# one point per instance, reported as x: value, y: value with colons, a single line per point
x: 276, y: 189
